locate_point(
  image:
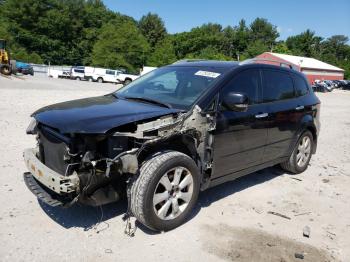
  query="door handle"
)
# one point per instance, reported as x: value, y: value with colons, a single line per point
x: 263, y: 115
x: 299, y: 108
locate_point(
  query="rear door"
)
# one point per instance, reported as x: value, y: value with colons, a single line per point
x: 240, y: 137
x: 282, y: 107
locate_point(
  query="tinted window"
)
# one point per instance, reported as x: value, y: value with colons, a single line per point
x: 277, y: 86
x: 79, y: 71
x: 110, y: 72
x: 301, y: 86
x: 246, y: 82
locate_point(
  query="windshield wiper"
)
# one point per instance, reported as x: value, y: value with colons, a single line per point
x: 149, y: 100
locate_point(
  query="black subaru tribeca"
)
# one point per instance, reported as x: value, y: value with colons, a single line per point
x: 179, y: 129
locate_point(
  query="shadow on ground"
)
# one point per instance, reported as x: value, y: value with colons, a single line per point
x: 87, y: 217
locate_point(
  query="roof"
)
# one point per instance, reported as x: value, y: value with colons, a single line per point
x: 306, y: 62
x: 207, y: 63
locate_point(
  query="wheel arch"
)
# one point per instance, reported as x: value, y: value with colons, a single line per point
x: 307, y: 124
x: 181, y: 143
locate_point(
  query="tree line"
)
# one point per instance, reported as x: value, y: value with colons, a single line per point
x: 86, y: 32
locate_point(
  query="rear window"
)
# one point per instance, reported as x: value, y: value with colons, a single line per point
x: 301, y: 87
x: 277, y: 86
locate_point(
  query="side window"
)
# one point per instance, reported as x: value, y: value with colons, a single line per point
x: 246, y: 82
x: 300, y: 85
x: 277, y: 85
x: 109, y: 72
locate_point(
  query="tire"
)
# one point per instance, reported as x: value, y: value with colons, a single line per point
x: 5, y: 70
x: 292, y: 164
x: 90, y: 79
x: 100, y: 80
x: 127, y: 81
x: 78, y: 78
x: 150, y: 182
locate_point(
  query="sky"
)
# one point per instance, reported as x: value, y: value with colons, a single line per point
x: 325, y: 17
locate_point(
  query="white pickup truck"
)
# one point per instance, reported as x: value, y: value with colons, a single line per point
x: 125, y: 79
x: 101, y: 75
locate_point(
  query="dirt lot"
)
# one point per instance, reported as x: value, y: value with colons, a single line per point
x: 230, y: 223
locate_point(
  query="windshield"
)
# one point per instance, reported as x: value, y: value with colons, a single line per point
x: 176, y: 86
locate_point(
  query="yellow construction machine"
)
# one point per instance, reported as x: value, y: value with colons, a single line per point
x: 6, y: 67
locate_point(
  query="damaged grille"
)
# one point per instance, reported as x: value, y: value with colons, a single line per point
x: 53, y: 149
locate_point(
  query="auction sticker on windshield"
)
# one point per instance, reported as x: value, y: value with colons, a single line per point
x: 207, y: 74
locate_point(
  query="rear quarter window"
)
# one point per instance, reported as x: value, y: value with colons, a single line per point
x: 301, y: 87
x: 277, y: 85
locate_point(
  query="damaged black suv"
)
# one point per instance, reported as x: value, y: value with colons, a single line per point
x: 173, y: 132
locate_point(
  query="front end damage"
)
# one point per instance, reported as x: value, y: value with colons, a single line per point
x: 96, y: 169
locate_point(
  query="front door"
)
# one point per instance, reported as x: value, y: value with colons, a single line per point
x: 240, y: 137
x: 110, y: 76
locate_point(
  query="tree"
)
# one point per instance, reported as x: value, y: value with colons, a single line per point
x: 263, y: 31
x: 120, y: 45
x: 152, y: 27
x: 192, y: 43
x: 60, y: 31
x: 163, y: 54
x: 304, y: 44
x: 255, y: 48
x: 210, y: 53
x: 281, y: 48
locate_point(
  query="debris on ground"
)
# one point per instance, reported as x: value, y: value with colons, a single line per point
x: 299, y: 255
x: 301, y: 214
x: 278, y: 214
x: 296, y: 178
x: 306, y: 231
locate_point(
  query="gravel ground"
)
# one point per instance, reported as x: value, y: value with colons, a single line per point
x: 230, y: 222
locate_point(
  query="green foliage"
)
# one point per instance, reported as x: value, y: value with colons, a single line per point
x: 60, y: 31
x: 256, y: 48
x: 120, y: 44
x: 152, y: 27
x: 263, y: 31
x: 192, y: 43
x: 85, y: 32
x: 304, y: 44
x: 281, y: 48
x: 164, y: 53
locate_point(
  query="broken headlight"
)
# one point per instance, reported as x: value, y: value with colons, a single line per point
x: 31, y: 129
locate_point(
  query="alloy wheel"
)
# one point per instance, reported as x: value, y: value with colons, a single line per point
x: 304, y: 151
x: 173, y: 193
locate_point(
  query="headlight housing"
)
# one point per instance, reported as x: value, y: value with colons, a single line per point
x: 31, y: 129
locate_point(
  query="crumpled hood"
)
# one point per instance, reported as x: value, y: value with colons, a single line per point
x: 97, y: 115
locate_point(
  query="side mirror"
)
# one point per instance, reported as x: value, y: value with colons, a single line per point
x: 236, y: 102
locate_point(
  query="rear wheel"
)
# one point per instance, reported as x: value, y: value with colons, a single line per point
x: 78, y: 78
x: 301, y: 155
x: 5, y: 70
x: 166, y: 190
x: 127, y: 81
x: 100, y: 80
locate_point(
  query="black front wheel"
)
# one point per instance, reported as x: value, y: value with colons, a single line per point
x: 164, y: 194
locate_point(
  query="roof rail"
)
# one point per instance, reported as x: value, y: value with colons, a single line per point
x: 256, y: 61
x: 189, y: 60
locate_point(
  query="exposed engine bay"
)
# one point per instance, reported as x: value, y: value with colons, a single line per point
x: 96, y: 168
